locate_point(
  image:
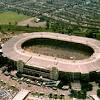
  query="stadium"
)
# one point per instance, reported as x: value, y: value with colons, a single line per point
x: 40, y: 64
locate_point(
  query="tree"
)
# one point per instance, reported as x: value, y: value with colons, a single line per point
x: 55, y: 96
x: 78, y: 94
x: 9, y: 23
x: 50, y: 95
x: 92, y: 33
x: 16, y: 22
x: 84, y: 78
x: 0, y: 27
x: 61, y: 96
x: 47, y: 24
x: 70, y: 30
x: 27, y: 26
x: 18, y: 74
x: 86, y: 86
x: 93, y: 76
x: 98, y: 93
x: 81, y: 94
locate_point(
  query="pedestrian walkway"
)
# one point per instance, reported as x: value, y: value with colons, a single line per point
x: 21, y: 95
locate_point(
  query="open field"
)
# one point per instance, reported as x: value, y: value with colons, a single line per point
x: 56, y: 48
x: 12, y: 17
x: 19, y: 19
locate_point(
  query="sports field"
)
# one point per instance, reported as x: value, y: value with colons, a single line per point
x: 59, y: 49
x: 11, y: 17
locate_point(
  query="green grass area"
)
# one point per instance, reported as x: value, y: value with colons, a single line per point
x: 21, y: 29
x: 11, y: 17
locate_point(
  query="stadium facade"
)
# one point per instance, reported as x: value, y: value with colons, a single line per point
x: 50, y: 67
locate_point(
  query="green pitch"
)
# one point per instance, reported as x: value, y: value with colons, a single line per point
x: 11, y: 17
